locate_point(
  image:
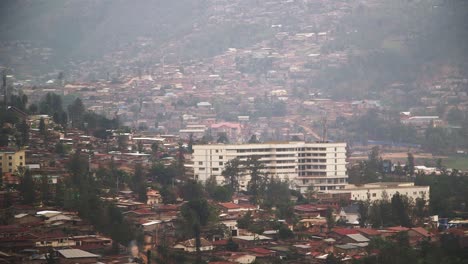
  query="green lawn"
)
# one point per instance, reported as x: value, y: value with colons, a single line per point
x: 456, y: 162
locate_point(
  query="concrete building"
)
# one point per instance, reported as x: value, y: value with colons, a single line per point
x: 318, y: 165
x: 11, y: 160
x: 376, y: 191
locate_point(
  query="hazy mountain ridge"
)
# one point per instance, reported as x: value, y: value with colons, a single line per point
x: 88, y: 29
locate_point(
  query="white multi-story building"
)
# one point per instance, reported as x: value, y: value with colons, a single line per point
x: 384, y: 190
x: 320, y: 165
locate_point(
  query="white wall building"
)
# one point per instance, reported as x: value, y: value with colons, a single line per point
x: 321, y: 165
x: 376, y: 191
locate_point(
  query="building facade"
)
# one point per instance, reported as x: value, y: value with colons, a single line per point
x: 11, y: 160
x: 384, y: 190
x: 321, y: 166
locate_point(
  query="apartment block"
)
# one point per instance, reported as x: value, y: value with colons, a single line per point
x: 11, y: 160
x: 321, y: 166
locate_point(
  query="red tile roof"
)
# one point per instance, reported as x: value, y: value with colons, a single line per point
x: 421, y: 231
x: 142, y: 212
x: 260, y: 251
x: 309, y: 208
x: 398, y: 228
x: 345, y: 231
x: 368, y: 231
x: 221, y: 242
x: 230, y: 205
x: 12, y: 229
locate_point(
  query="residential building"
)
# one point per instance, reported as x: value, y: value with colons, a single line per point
x: 321, y: 166
x: 379, y: 190
x: 349, y: 214
x: 189, y: 245
x: 11, y: 160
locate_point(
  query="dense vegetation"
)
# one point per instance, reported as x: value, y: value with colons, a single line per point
x: 397, y: 42
x: 386, y: 126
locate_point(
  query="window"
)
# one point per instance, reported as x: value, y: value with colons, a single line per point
x: 374, y: 195
x: 217, y: 151
x: 215, y: 169
x: 200, y: 163
x: 10, y: 164
x: 21, y: 163
x: 221, y: 164
x: 220, y: 157
x: 202, y: 169
x: 21, y: 157
x: 9, y: 157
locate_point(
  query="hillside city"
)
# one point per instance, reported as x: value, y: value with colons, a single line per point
x: 221, y: 132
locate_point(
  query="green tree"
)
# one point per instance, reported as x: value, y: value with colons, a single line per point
x: 192, y: 190
x: 332, y: 259
x: 180, y: 163
x: 42, y: 127
x: 139, y: 183
x: 122, y: 142
x: 140, y: 147
x: 162, y: 174
x: 330, y: 219
x: 59, y: 197
x: 168, y: 195
x: 46, y: 195
x: 410, y: 164
x: 258, y: 179
x: 231, y: 245
x: 33, y: 109
x: 76, y: 113
x: 455, y: 116
x: 78, y: 168
x: 253, y: 139
x: 60, y: 148
x: 420, y: 210
x: 197, y: 214
x: 285, y: 233
x: 231, y: 173
x: 221, y: 194
x: 245, y: 221
x: 22, y: 137
x: 27, y: 188
x: 363, y: 210
x: 400, y: 208
x: 155, y: 150
x: 277, y: 193
x: 222, y: 138
x: 190, y: 144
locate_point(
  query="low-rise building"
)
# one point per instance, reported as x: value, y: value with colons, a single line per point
x: 376, y: 191
x: 11, y: 160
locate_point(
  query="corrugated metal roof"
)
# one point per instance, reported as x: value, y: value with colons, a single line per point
x: 76, y: 253
x: 358, y: 238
